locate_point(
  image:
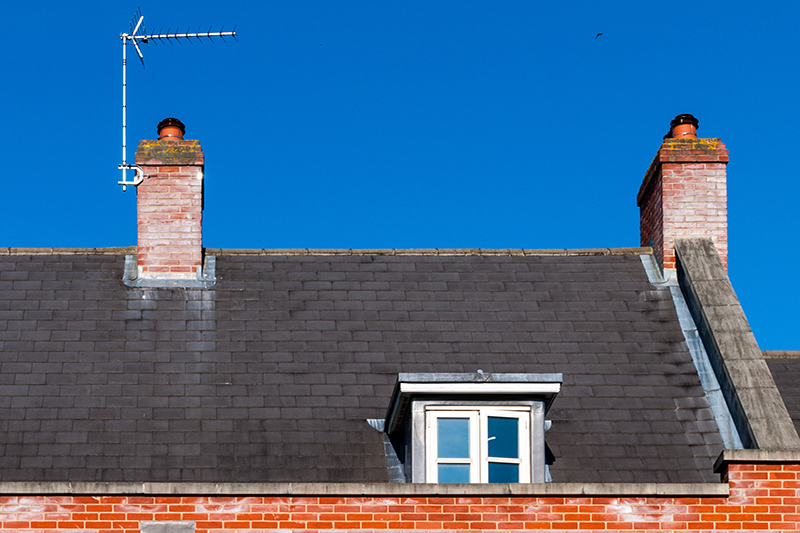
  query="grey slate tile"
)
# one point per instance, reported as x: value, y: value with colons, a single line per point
x: 786, y: 372
x: 323, y: 339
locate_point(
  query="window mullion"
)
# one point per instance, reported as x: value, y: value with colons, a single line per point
x: 432, y: 469
x: 525, y: 448
x: 478, y: 469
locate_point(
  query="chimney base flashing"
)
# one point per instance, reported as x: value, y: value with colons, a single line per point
x: 206, y: 278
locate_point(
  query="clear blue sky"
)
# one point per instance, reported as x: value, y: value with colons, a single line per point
x: 399, y: 124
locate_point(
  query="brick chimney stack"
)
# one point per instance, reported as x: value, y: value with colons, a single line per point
x: 684, y: 193
x: 169, y: 205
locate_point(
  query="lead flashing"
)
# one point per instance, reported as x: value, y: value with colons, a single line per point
x: 480, y: 377
x: 206, y: 279
x: 705, y: 369
x: 544, y: 386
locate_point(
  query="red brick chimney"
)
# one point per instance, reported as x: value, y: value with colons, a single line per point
x: 169, y: 205
x: 684, y: 193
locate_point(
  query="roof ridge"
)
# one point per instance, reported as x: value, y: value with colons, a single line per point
x: 431, y: 251
x: 116, y: 250
x: 781, y: 354
x: 121, y: 250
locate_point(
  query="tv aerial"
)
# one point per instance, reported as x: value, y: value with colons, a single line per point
x: 138, y: 35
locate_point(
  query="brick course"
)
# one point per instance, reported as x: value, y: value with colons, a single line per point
x: 763, y: 497
x: 170, y: 209
x: 684, y: 194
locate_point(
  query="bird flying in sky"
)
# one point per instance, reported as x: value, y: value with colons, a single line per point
x: 598, y: 35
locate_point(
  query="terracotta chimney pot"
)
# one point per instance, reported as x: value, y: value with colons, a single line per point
x: 684, y: 127
x: 171, y: 129
x: 684, y: 193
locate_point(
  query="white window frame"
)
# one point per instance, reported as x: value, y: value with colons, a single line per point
x: 479, y: 460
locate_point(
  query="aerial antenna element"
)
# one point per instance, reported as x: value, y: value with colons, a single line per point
x: 138, y: 34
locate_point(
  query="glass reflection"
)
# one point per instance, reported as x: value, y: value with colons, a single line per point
x: 453, y: 437
x: 503, y: 473
x: 453, y: 473
x: 503, y: 437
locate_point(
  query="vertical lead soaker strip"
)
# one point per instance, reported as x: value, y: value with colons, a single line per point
x: 731, y: 438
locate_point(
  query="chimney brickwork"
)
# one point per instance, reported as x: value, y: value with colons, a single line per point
x: 169, y: 206
x: 684, y: 194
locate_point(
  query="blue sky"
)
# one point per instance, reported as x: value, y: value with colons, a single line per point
x: 406, y: 124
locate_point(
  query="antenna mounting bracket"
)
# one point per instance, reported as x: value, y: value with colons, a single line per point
x: 137, y: 179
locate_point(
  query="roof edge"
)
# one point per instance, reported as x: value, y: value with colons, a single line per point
x: 117, y: 250
x: 781, y: 354
x: 125, y: 250
x: 434, y: 251
x: 369, y: 489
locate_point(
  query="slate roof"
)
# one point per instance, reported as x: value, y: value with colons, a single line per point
x: 785, y: 368
x: 271, y: 375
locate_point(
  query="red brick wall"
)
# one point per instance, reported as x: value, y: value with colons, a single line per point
x: 651, y: 217
x: 170, y: 209
x: 684, y: 194
x: 762, y: 497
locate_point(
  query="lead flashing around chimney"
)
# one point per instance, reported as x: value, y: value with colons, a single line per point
x: 207, y: 279
x: 705, y: 370
x: 747, y: 384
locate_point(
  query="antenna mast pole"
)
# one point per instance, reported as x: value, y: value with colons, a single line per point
x: 124, y: 165
x: 135, y: 39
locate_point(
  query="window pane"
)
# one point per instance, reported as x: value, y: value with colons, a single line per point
x: 503, y: 437
x: 503, y: 473
x: 454, y: 473
x: 453, y: 436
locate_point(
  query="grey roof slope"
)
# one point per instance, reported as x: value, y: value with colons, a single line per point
x: 271, y: 375
x: 785, y: 368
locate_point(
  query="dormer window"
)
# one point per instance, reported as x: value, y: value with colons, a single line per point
x: 472, y: 444
x: 471, y: 428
